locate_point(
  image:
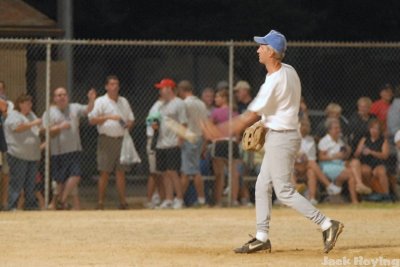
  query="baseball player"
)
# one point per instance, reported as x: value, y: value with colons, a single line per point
x: 278, y: 103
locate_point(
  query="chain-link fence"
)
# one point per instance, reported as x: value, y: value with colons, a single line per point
x: 330, y: 72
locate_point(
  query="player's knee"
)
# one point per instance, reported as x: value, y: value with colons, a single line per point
x: 285, y: 192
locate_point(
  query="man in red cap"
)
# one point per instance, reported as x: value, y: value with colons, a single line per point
x: 168, y: 151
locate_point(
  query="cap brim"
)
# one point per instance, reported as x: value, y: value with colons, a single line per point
x: 158, y: 85
x: 259, y: 40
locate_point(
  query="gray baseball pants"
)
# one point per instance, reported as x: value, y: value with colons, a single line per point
x: 276, y: 170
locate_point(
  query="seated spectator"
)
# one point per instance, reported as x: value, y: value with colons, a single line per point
x: 334, y: 111
x: 381, y: 107
x: 22, y: 136
x: 370, y: 156
x: 306, y: 168
x: 332, y: 155
x: 220, y: 150
x: 358, y: 122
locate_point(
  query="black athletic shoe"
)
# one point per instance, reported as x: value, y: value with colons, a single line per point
x: 331, y: 235
x: 254, y: 245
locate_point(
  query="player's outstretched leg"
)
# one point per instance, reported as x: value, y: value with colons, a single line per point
x: 254, y: 245
x: 331, y: 235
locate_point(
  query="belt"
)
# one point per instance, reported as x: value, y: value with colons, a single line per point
x: 283, y: 131
x: 113, y: 137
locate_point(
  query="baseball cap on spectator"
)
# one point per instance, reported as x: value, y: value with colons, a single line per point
x: 166, y: 82
x: 242, y: 85
x: 275, y: 39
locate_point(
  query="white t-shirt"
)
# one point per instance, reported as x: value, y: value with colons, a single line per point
x: 278, y: 101
x: 329, y: 145
x: 106, y: 106
x: 68, y: 140
x: 196, y: 111
x: 173, y: 109
x: 308, y: 147
x: 23, y: 145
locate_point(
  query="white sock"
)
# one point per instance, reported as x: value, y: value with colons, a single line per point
x: 326, y: 224
x: 201, y: 200
x: 262, y: 236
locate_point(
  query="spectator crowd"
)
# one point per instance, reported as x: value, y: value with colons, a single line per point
x: 340, y: 160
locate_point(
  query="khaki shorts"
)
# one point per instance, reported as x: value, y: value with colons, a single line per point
x: 4, y: 169
x: 108, y: 154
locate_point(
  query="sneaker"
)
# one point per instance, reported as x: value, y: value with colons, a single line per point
x: 313, y: 201
x: 155, y: 199
x: 363, y: 189
x: 246, y: 203
x: 178, y: 204
x: 226, y: 191
x: 254, y: 245
x: 333, y: 189
x: 166, y: 204
x: 235, y: 203
x: 331, y: 235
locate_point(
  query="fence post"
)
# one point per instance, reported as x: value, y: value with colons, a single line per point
x: 47, y: 152
x: 230, y: 161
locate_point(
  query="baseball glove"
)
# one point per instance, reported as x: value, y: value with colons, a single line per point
x: 254, y: 137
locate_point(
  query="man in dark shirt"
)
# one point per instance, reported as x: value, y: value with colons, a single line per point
x: 358, y: 122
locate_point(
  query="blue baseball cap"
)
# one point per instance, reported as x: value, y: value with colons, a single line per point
x: 275, y: 39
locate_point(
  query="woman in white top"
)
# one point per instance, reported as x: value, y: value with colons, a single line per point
x: 332, y: 155
x: 22, y: 136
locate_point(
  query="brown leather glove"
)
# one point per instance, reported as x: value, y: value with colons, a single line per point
x: 254, y: 137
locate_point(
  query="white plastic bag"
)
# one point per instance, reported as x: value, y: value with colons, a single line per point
x: 129, y: 154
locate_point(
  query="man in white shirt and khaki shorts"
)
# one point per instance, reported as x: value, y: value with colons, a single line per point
x: 278, y: 102
x: 112, y: 114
